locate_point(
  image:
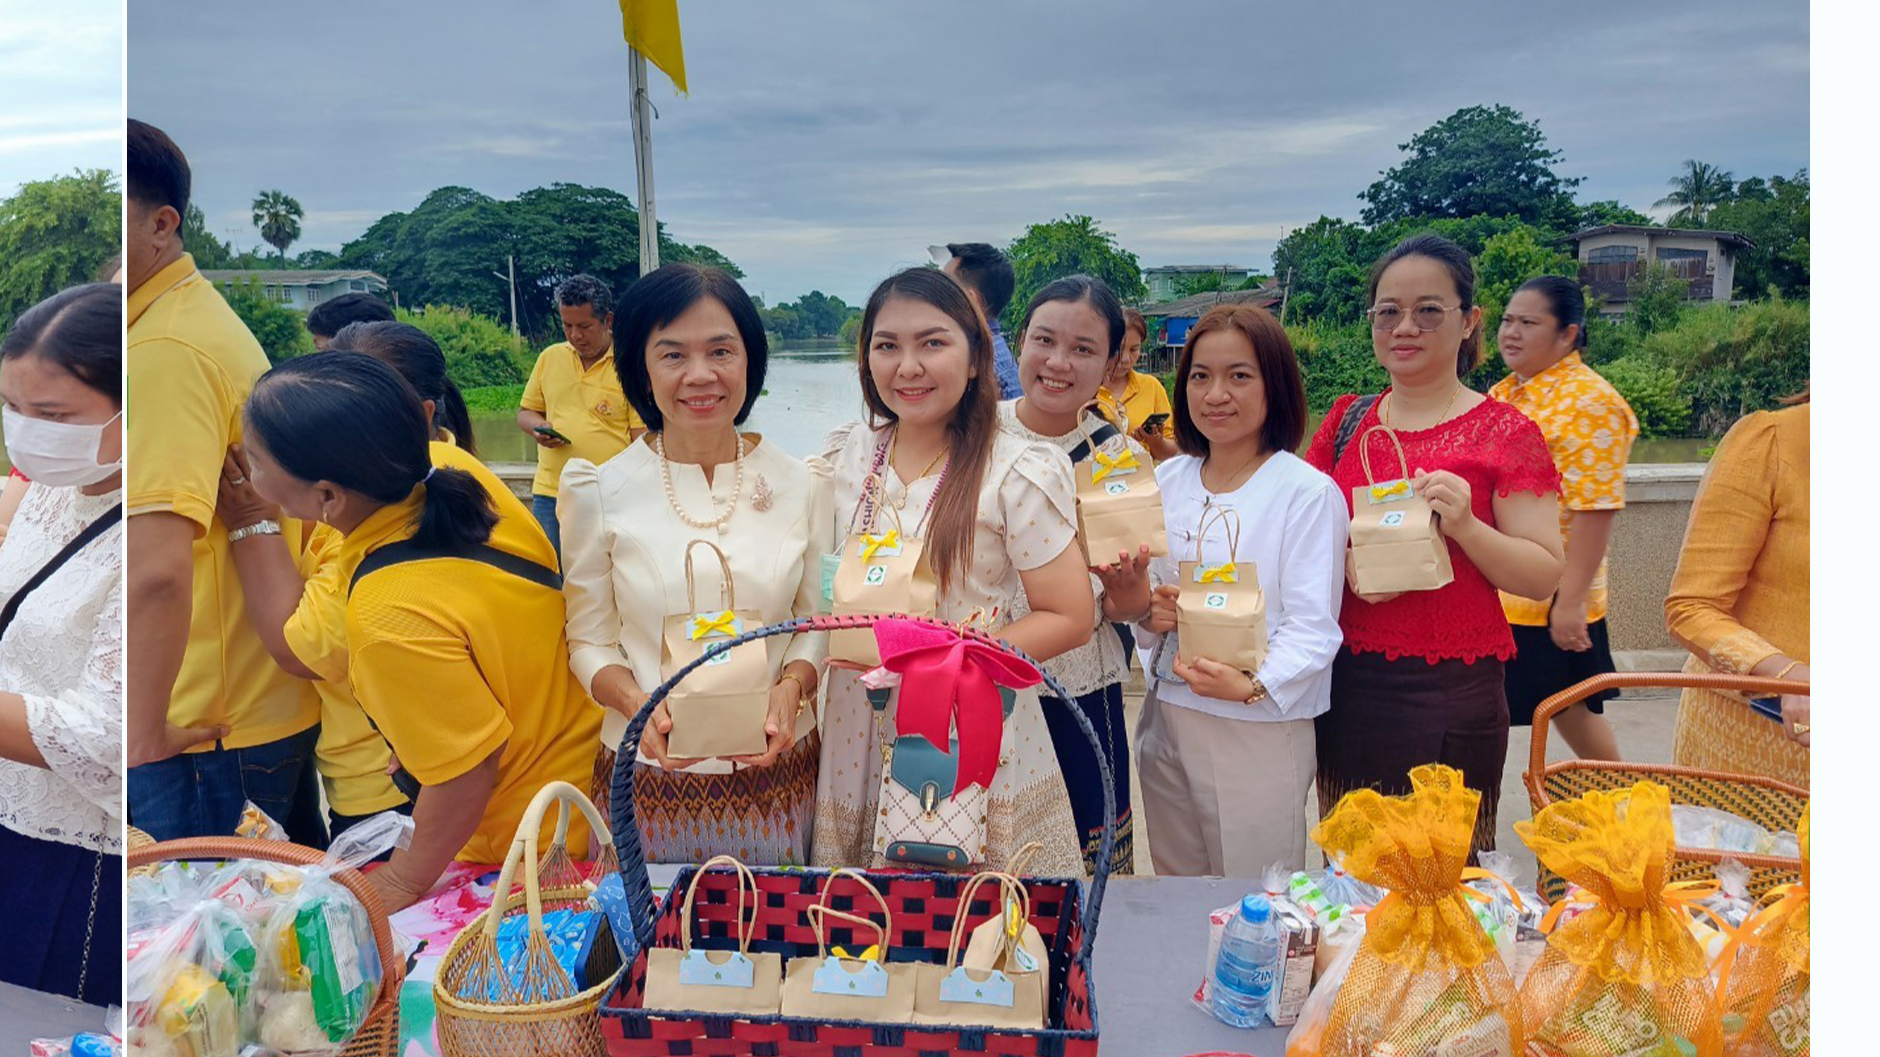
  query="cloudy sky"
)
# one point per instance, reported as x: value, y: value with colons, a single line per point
x: 61, y: 89
x: 826, y: 143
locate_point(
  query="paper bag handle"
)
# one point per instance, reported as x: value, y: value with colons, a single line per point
x: 1230, y: 524
x: 1364, y: 453
x: 727, y: 590
x: 829, y: 883
x: 818, y: 912
x: 744, y: 877
x: 1006, y: 883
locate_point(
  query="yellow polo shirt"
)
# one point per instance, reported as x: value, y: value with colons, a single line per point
x: 1143, y: 395
x: 352, y: 755
x: 453, y: 658
x: 189, y: 365
x: 1589, y: 429
x: 586, y: 405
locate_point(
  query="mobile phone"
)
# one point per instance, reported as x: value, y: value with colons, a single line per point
x: 407, y: 783
x: 1769, y: 706
x: 550, y: 431
x: 1154, y: 422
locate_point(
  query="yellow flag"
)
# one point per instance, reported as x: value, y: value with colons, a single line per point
x: 652, y: 28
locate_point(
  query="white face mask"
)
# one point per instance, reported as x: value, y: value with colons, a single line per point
x: 57, y: 454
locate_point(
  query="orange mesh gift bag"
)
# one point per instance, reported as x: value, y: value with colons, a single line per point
x: 1625, y: 978
x: 1425, y: 979
x: 1764, y: 987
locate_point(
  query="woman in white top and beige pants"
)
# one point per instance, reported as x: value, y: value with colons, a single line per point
x: 1225, y: 757
x: 691, y: 357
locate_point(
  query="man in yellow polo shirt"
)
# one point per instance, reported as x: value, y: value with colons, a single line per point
x: 573, y: 406
x: 210, y: 720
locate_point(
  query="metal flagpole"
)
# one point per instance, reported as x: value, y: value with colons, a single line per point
x: 643, y: 161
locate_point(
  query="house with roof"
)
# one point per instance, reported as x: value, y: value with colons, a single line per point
x: 301, y: 290
x: 1170, y: 321
x: 1613, y: 255
x: 1165, y: 281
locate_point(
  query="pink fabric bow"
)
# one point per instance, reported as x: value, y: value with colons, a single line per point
x: 948, y: 681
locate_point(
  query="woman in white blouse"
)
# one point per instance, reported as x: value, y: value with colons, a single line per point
x: 62, y: 649
x: 1072, y: 333
x: 691, y: 360
x: 1227, y: 756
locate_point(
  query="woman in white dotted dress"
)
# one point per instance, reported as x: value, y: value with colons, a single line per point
x: 995, y: 513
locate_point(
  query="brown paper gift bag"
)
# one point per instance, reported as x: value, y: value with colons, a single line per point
x: 856, y: 984
x: 720, y: 709
x: 1119, y: 507
x: 951, y: 993
x: 1396, y: 544
x: 736, y: 982
x: 1221, y: 611
x: 881, y: 572
x: 1025, y: 959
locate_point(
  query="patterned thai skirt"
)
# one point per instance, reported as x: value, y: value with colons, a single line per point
x: 761, y: 815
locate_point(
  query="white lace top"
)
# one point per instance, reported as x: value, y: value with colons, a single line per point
x: 65, y: 655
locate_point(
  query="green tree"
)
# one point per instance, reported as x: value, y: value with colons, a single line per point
x: 1773, y: 214
x: 1323, y: 265
x: 1697, y: 190
x: 1655, y: 393
x: 281, y: 331
x: 1607, y: 211
x: 278, y: 216
x: 1478, y: 160
x: 1204, y: 283
x: 207, y: 250
x: 313, y: 260
x: 1058, y: 248
x: 1656, y: 299
x: 1731, y: 361
x: 478, y: 350
x: 54, y: 234
x: 1513, y: 257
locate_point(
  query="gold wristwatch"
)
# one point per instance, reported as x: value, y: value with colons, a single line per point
x: 1258, y: 694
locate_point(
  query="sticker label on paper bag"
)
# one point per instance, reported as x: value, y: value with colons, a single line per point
x: 1215, y: 600
x: 1117, y: 487
x: 737, y: 971
x: 834, y: 978
x: 1392, y: 519
x: 876, y: 575
x: 995, y: 990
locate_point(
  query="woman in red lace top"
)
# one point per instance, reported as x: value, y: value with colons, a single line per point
x: 1419, y: 679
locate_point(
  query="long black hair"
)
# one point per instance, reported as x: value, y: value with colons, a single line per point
x: 412, y: 353
x: 1565, y: 300
x: 1461, y: 272
x: 347, y: 418
x: 1080, y: 287
x: 82, y: 330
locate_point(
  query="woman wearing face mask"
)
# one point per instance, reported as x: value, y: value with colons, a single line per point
x: 454, y: 614
x: 297, y: 603
x: 1419, y: 679
x: 62, y: 648
x: 1228, y: 755
x: 995, y: 513
x: 691, y: 353
x: 1134, y: 401
x: 1071, y: 333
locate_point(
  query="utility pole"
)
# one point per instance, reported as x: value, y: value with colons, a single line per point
x: 643, y: 161
x: 515, y: 324
x: 1285, y: 296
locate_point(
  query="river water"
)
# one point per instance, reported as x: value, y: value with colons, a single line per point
x: 812, y: 387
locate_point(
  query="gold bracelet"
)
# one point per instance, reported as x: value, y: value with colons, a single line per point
x: 803, y: 696
x: 1787, y: 668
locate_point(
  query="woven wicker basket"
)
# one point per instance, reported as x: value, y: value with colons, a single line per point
x: 1774, y: 805
x: 923, y: 905
x: 565, y: 1027
x: 378, y: 1036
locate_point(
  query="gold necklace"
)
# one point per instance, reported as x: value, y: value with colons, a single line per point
x: 1259, y: 457
x: 1383, y: 414
x: 908, y: 485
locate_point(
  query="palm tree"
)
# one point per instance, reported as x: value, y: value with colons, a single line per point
x: 278, y: 215
x: 1700, y: 188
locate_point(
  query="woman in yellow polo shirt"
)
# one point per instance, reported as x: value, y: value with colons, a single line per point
x: 454, y: 616
x: 1130, y: 399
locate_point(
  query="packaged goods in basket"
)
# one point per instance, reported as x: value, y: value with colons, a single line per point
x: 222, y: 958
x: 1425, y: 978
x: 1010, y: 942
x: 740, y: 981
x: 1715, y: 918
x: 1764, y: 973
x: 850, y: 984
x: 1625, y: 976
x: 1713, y: 829
x: 952, y: 993
x: 1338, y: 886
x: 1512, y: 921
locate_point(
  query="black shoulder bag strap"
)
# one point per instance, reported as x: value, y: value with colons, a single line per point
x: 1348, y: 426
x: 98, y: 527
x: 1100, y: 436
x: 408, y: 551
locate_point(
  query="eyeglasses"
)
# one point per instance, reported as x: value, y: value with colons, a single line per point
x: 1427, y: 316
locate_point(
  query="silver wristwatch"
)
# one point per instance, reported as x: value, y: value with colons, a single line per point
x: 259, y: 528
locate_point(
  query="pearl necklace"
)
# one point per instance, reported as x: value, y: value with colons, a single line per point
x: 672, y: 497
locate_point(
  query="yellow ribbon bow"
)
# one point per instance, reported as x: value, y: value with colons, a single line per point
x: 872, y: 954
x: 1379, y: 492
x: 1679, y: 895
x: 704, y: 624
x: 1224, y: 573
x: 1107, y: 464
x: 871, y: 544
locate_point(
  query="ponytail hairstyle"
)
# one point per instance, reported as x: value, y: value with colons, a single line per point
x: 1080, y: 287
x: 1461, y: 271
x: 1565, y: 300
x: 347, y: 418
x: 975, y: 421
x: 415, y: 356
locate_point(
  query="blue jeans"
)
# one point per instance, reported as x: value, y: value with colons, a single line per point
x: 543, y: 507
x: 200, y: 794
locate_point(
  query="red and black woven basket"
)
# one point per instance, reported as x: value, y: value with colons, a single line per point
x: 924, y: 905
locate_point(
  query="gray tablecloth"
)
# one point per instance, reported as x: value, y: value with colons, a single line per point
x: 27, y: 1015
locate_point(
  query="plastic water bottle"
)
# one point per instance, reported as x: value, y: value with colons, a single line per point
x: 1248, y: 964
